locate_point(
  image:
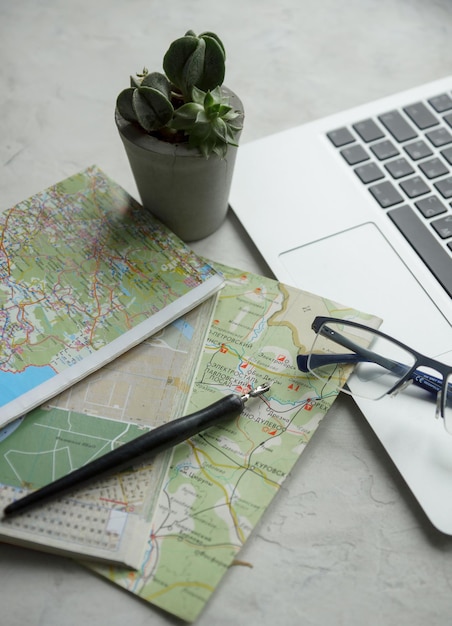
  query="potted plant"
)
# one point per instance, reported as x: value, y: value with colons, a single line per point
x: 180, y: 130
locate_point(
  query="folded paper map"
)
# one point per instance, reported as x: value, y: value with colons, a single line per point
x: 218, y: 484
x: 85, y: 274
x: 186, y: 514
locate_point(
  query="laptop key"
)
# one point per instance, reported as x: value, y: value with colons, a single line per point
x: 414, y: 187
x: 368, y: 130
x: 397, y: 125
x: 444, y: 187
x: 354, y: 154
x: 340, y: 137
x: 369, y: 172
x: 443, y: 226
x: 385, y: 194
x: 399, y: 168
x: 447, y: 154
x: 420, y: 115
x: 439, y: 137
x: 424, y: 243
x: 418, y: 150
x: 384, y: 150
x: 433, y: 168
x: 441, y: 103
x: 448, y: 119
x: 431, y: 206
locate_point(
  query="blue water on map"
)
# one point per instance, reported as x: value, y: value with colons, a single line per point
x: 13, y: 385
x: 8, y: 430
x: 184, y: 327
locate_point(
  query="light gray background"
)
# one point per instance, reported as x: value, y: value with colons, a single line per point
x: 344, y: 542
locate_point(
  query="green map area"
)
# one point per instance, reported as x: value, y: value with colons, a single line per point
x: 52, y: 443
x: 219, y: 483
x: 83, y: 272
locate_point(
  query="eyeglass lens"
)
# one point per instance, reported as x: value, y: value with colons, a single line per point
x: 448, y: 405
x: 380, y: 364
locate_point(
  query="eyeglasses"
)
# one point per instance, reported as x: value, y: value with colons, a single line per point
x: 383, y: 365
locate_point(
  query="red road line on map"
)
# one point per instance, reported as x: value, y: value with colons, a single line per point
x: 113, y: 501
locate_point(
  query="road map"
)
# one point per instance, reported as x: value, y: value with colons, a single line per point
x: 189, y: 510
x: 218, y: 484
x: 85, y: 274
x: 143, y: 388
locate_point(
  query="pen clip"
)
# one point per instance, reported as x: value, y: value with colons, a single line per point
x: 258, y: 391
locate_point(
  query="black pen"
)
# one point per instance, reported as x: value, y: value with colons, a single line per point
x: 152, y: 442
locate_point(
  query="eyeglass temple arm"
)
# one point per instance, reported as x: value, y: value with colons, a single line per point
x: 320, y: 360
x: 420, y: 379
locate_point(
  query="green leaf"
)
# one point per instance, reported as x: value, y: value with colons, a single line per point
x: 232, y: 132
x: 205, y: 146
x: 224, y: 110
x: 198, y: 96
x: 158, y: 81
x: 217, y: 39
x: 185, y: 117
x: 176, y: 58
x: 230, y: 115
x: 151, y: 107
x: 125, y: 106
x: 214, y: 63
x: 202, y: 117
x: 218, y: 94
x: 221, y: 150
x: 220, y: 129
x: 209, y: 100
x: 192, y: 72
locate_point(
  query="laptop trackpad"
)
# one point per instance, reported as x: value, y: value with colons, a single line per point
x: 358, y: 267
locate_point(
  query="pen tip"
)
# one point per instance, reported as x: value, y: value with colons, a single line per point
x: 7, y: 511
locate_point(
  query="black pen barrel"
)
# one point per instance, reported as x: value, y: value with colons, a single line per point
x: 151, y: 443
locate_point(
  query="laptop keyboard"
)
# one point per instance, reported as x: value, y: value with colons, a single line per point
x: 404, y: 158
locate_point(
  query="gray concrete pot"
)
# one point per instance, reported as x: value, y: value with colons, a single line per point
x: 184, y: 190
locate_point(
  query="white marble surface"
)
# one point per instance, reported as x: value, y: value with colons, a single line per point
x: 344, y: 543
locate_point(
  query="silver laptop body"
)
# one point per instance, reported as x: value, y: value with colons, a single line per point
x: 357, y: 207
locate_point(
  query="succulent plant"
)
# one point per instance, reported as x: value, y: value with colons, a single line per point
x: 186, y: 103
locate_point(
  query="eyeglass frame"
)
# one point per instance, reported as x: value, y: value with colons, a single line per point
x: 420, y: 379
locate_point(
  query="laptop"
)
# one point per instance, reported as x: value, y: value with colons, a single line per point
x: 357, y: 208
